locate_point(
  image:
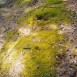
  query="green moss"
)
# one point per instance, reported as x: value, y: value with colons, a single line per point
x: 39, y: 53
x: 41, y: 56
x: 22, y: 2
x: 74, y: 52
x: 55, y: 13
x: 8, y: 55
x: 54, y: 72
x: 11, y: 35
x: 1, y: 10
x: 9, y: 16
x: 5, y: 47
x: 54, y: 1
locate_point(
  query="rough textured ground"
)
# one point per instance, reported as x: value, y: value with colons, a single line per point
x: 68, y: 67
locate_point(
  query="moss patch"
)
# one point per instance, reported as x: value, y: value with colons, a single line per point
x: 51, y: 12
x: 38, y: 52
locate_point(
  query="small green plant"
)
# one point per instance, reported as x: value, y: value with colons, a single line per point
x: 54, y: 72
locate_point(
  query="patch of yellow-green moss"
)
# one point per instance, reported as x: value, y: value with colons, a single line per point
x: 74, y: 52
x: 38, y: 53
x: 22, y: 2
x: 51, y: 12
x: 11, y: 35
